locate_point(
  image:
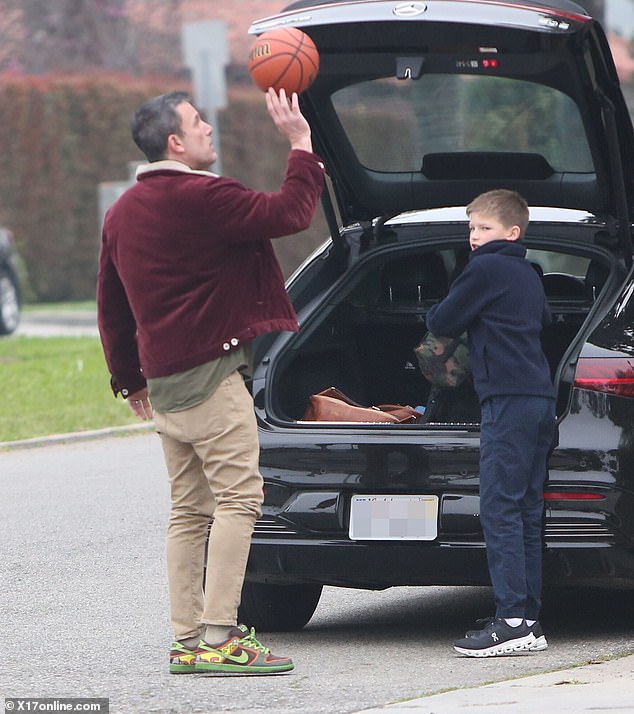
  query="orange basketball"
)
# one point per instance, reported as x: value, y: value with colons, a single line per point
x: 284, y: 58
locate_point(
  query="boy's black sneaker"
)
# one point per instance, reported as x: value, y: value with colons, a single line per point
x: 496, y: 639
x: 540, y: 643
x: 480, y: 625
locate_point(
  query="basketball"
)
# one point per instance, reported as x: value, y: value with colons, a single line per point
x: 285, y: 58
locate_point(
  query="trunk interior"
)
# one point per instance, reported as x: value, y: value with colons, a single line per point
x: 362, y: 338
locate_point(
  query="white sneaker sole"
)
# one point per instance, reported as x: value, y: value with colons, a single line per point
x: 521, y: 644
x: 539, y: 645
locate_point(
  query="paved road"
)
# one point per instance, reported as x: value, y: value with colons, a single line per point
x: 58, y: 322
x: 84, y: 606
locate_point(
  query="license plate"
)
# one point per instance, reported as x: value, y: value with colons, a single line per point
x: 382, y: 517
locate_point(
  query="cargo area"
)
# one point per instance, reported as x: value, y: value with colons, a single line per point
x: 362, y: 341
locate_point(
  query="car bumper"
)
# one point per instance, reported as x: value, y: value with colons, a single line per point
x: 382, y: 565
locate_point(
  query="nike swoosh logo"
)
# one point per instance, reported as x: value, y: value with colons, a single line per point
x: 242, y: 658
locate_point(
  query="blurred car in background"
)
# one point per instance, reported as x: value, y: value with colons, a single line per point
x: 9, y: 283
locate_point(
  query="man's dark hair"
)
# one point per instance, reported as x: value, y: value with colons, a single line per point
x: 155, y: 120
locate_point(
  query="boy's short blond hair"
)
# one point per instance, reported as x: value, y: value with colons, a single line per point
x: 508, y: 207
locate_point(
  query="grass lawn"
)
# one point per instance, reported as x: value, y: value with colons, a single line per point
x: 56, y: 385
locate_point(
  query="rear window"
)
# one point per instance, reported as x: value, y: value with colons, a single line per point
x: 393, y: 123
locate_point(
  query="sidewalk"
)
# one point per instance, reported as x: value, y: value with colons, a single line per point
x: 601, y: 686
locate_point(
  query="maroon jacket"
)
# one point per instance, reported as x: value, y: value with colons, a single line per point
x: 187, y: 271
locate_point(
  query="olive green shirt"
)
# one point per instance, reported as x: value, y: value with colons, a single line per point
x: 187, y: 389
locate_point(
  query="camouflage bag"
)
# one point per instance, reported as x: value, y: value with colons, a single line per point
x: 444, y: 361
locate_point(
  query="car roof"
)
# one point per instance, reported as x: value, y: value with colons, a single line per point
x: 382, y: 108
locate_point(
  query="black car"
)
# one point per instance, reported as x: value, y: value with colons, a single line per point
x: 417, y: 108
x: 9, y: 284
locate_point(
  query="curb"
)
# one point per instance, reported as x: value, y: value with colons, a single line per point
x: 599, y: 685
x: 128, y: 430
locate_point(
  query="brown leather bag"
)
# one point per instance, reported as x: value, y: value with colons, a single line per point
x: 334, y: 406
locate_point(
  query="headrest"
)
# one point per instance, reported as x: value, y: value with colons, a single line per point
x: 596, y: 275
x: 563, y: 286
x: 412, y: 279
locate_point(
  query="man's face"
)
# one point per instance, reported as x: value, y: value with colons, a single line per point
x: 483, y: 229
x: 196, y: 147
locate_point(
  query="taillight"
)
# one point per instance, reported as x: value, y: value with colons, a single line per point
x: 614, y: 375
x: 572, y: 496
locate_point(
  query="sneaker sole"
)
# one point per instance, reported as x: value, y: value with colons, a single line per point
x: 539, y: 645
x: 522, y: 644
x: 182, y: 668
x: 236, y: 669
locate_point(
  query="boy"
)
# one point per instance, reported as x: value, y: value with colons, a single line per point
x: 499, y: 300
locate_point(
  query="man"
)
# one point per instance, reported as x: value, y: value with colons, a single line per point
x: 187, y: 279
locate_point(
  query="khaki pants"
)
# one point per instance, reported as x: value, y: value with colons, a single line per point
x: 211, y: 452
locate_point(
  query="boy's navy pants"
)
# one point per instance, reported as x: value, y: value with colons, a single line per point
x: 516, y: 438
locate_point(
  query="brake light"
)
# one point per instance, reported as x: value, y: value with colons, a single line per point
x: 572, y: 496
x: 614, y: 375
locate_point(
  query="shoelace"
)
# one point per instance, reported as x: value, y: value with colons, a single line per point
x: 250, y: 640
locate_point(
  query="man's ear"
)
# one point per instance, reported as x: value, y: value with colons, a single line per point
x: 174, y: 144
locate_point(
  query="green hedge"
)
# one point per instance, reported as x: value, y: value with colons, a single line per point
x: 60, y: 136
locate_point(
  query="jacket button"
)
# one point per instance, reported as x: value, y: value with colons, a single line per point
x: 226, y: 346
x: 234, y: 341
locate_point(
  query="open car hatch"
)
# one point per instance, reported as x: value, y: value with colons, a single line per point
x: 426, y: 104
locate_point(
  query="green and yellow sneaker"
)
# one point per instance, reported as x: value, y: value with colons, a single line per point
x: 242, y: 653
x: 182, y: 659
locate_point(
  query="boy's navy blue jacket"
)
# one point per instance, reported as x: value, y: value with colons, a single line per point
x: 499, y: 300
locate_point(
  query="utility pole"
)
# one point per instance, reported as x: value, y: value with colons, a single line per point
x: 206, y: 53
